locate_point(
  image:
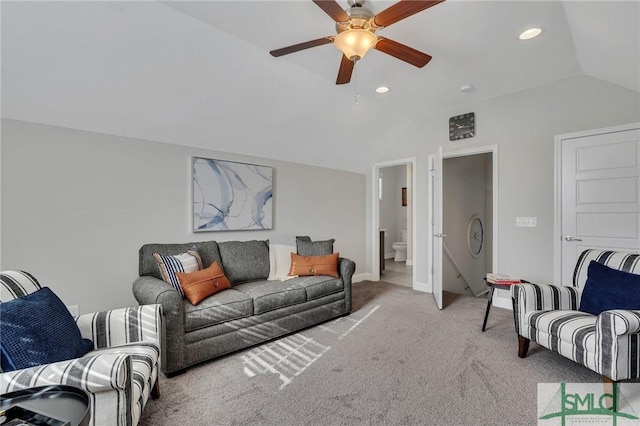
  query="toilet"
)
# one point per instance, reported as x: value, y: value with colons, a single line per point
x: 400, y: 247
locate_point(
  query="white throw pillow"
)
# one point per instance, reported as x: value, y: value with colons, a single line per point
x: 280, y: 262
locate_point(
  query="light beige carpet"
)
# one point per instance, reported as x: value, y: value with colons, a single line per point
x: 396, y: 360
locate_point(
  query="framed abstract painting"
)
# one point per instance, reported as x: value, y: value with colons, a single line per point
x: 229, y: 196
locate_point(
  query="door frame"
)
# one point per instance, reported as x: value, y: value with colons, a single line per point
x: 557, y: 189
x: 493, y: 150
x: 375, y: 209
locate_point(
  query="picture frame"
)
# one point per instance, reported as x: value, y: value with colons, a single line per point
x: 404, y: 197
x: 231, y: 196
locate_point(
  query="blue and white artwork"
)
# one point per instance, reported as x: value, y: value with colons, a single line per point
x: 230, y: 196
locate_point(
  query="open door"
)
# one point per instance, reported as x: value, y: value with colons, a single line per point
x: 435, y: 176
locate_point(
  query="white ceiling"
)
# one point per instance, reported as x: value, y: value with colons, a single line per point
x: 199, y: 73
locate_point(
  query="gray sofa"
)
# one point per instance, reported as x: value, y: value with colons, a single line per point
x: 253, y: 311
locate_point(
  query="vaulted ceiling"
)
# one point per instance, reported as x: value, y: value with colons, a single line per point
x: 199, y: 73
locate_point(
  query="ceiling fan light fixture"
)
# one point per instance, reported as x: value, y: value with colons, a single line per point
x: 355, y: 42
x: 530, y: 33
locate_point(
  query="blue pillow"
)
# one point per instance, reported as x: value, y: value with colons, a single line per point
x: 38, y: 329
x: 607, y: 288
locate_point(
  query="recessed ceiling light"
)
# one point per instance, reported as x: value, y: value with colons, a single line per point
x: 530, y: 33
x: 382, y: 89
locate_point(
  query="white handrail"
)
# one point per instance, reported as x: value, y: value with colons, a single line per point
x: 460, y: 274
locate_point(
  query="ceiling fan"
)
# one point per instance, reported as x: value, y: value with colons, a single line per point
x: 356, y: 29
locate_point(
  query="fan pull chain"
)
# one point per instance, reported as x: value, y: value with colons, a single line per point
x: 355, y: 84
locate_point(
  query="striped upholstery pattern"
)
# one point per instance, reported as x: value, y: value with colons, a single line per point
x: 183, y: 262
x: 541, y: 297
x: 14, y: 284
x: 118, y: 375
x: 104, y: 376
x: 608, y: 344
x: 628, y: 262
x: 122, y: 326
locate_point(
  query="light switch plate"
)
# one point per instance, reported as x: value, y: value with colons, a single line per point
x: 527, y: 222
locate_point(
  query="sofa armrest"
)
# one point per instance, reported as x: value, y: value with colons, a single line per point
x: 529, y: 297
x: 616, y: 331
x: 122, y: 326
x: 618, y: 322
x: 92, y: 373
x: 151, y: 290
x: 543, y: 297
x: 346, y: 267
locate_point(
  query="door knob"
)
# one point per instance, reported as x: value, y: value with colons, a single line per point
x: 570, y: 238
x: 439, y: 235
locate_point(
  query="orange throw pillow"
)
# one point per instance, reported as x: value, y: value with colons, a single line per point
x: 314, y: 265
x: 203, y: 283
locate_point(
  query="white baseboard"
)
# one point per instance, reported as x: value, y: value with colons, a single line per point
x: 424, y: 287
x: 502, y: 299
x: 409, y: 262
x: 362, y: 277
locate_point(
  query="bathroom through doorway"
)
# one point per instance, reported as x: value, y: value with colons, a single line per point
x: 395, y: 222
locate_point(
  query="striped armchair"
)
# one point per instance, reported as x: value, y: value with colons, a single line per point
x: 119, y: 374
x: 608, y: 344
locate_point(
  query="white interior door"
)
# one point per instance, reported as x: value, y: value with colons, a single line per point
x: 436, y: 223
x: 600, y: 195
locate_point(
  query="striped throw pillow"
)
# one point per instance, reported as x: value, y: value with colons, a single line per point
x: 183, y: 262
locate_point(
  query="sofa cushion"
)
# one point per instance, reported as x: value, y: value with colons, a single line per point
x: 208, y: 251
x: 560, y: 329
x: 608, y: 288
x: 270, y: 295
x: 245, y: 260
x: 170, y: 265
x: 314, y: 265
x: 38, y: 329
x: 201, y: 284
x: 306, y: 247
x: 225, y: 306
x: 320, y: 285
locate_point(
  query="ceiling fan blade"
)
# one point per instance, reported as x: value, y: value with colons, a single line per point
x: 345, y: 70
x: 402, y: 52
x: 402, y: 9
x: 333, y: 9
x: 301, y: 46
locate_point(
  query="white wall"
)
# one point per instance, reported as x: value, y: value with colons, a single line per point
x: 523, y: 125
x: 77, y: 206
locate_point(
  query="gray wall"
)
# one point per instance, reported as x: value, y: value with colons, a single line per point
x: 77, y: 206
x: 523, y: 126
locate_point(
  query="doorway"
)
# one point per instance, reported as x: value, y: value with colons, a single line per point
x: 394, y: 235
x: 475, y: 230
x: 467, y: 215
